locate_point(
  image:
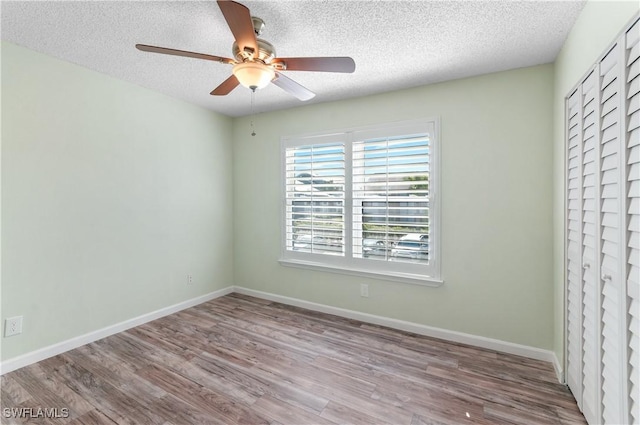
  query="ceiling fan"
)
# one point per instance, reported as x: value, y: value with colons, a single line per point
x: 255, y: 64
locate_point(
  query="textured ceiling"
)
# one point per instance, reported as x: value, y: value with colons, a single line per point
x: 395, y: 44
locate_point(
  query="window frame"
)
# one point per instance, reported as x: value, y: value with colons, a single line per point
x: 421, y: 274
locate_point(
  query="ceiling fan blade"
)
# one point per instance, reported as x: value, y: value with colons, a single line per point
x: 226, y: 87
x: 174, y: 52
x: 291, y: 87
x: 330, y: 64
x: 239, y: 20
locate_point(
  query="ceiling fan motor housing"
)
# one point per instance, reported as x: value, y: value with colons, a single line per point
x: 258, y: 25
x: 266, y: 52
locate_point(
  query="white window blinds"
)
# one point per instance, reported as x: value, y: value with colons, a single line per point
x: 364, y: 201
x: 315, y: 198
x: 391, y: 198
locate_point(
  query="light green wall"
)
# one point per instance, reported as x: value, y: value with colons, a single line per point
x: 111, y: 195
x: 596, y: 28
x: 496, y: 206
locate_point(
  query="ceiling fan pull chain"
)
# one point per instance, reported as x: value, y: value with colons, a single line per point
x: 253, y: 95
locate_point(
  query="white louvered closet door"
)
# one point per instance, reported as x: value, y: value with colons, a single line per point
x: 632, y: 135
x: 574, y: 242
x: 612, y: 236
x: 590, y: 247
x: 603, y: 236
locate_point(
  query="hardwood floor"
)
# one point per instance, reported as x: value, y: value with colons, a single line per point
x: 239, y: 359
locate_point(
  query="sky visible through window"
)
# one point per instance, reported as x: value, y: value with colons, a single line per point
x: 376, y: 155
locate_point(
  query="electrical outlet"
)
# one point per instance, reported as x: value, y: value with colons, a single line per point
x: 364, y: 290
x: 13, y: 326
x: 189, y: 279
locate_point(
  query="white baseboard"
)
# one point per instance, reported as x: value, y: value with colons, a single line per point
x: 460, y: 337
x: 478, y: 341
x: 558, y: 368
x: 59, y: 348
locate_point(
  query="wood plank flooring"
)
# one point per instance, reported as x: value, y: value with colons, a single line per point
x: 243, y: 360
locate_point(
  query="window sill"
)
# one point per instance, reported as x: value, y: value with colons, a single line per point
x: 411, y: 278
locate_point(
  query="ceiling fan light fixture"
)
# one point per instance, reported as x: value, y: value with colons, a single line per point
x: 253, y: 75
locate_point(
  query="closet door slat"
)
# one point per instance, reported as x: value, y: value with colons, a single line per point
x: 591, y: 313
x: 574, y: 242
x: 611, y: 238
x: 632, y: 89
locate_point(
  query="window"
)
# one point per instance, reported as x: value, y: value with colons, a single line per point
x: 364, y: 201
